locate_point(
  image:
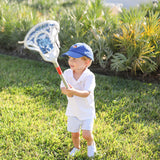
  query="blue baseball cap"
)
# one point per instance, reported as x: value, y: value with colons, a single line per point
x: 79, y: 50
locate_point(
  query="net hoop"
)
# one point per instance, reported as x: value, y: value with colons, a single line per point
x: 43, y: 38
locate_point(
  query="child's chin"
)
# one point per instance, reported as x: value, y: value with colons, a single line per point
x: 72, y: 68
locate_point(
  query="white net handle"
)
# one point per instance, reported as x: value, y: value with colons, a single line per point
x: 43, y: 38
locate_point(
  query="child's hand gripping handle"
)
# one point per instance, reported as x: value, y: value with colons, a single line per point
x: 58, y: 68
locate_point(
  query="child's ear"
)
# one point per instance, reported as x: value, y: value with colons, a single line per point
x: 88, y: 62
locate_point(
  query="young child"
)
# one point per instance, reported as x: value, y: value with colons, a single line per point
x: 80, y: 95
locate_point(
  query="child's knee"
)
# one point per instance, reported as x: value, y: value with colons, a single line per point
x: 87, y: 134
x: 75, y: 135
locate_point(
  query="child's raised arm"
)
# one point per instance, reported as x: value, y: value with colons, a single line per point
x: 74, y: 92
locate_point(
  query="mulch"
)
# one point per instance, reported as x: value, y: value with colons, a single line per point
x: 148, y: 78
x: 143, y: 77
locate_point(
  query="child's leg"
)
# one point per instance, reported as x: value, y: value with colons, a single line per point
x: 76, y: 139
x: 87, y: 127
x: 88, y: 136
x: 91, y: 148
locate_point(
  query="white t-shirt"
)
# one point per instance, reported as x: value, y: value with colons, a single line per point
x: 82, y: 108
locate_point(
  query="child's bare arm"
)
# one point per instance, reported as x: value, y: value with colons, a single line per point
x: 71, y: 91
x: 79, y: 93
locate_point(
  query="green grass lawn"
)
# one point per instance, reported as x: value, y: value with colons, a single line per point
x: 33, y: 121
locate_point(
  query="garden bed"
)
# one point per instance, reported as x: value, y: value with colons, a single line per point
x: 149, y: 78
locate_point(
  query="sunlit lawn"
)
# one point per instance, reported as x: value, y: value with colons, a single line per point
x: 33, y: 121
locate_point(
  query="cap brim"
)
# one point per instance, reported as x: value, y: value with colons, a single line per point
x: 72, y: 54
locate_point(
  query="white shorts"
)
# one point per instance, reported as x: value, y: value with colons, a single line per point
x: 74, y: 124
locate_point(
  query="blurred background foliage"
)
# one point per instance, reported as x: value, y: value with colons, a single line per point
x: 128, y: 41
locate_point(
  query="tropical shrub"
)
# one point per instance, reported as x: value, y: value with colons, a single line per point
x: 137, y: 42
x: 127, y: 42
x: 15, y: 21
x: 92, y: 24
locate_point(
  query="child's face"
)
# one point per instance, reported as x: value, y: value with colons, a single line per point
x: 77, y: 63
